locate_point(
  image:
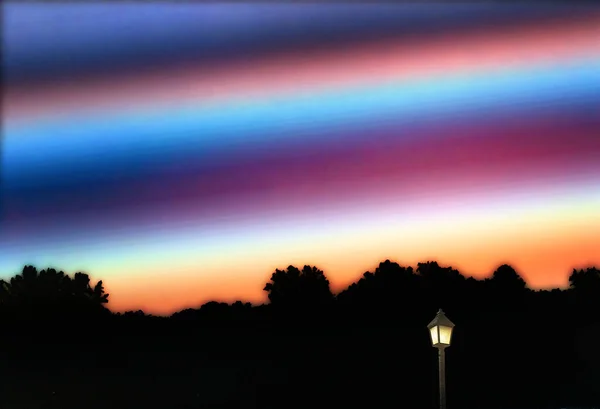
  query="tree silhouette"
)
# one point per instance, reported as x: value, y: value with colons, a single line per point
x: 585, y: 285
x: 4, y: 292
x: 444, y: 286
x: 390, y: 290
x: 505, y: 285
x: 585, y: 281
x: 299, y: 289
x: 506, y: 277
x: 51, y: 294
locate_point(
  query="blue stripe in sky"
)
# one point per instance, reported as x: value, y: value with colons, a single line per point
x: 126, y: 142
x: 40, y: 40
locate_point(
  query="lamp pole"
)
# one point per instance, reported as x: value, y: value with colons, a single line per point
x: 442, y: 375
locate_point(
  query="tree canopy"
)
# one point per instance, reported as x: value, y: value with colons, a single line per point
x: 52, y: 294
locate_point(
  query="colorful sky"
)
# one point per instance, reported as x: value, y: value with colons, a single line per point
x: 182, y: 152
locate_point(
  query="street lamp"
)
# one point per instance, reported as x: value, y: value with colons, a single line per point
x: 440, y: 330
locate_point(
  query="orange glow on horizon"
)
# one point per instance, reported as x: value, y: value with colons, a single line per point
x: 542, y: 263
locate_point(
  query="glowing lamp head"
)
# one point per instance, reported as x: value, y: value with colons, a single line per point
x: 440, y: 330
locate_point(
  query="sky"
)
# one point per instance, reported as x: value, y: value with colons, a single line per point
x: 183, y: 152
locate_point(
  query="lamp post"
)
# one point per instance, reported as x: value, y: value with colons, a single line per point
x: 440, y: 330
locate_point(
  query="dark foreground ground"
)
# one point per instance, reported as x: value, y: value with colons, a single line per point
x: 168, y: 365
x: 366, y: 347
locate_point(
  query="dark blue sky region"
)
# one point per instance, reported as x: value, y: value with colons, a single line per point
x: 43, y: 42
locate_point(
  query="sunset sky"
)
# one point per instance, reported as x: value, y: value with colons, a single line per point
x: 182, y: 152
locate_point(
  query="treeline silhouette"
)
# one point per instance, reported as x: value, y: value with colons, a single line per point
x: 365, y: 347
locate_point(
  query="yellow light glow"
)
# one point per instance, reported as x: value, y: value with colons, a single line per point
x: 445, y: 334
x: 434, y: 335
